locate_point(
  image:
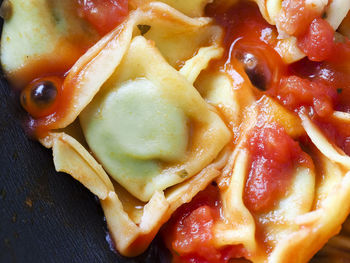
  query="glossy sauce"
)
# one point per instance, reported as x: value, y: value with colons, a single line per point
x: 41, y: 97
x: 337, y: 132
x: 247, y: 34
x: 40, y: 126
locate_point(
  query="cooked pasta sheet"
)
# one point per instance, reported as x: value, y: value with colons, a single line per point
x: 194, y: 8
x: 203, y: 118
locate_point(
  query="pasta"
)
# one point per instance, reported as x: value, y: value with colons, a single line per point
x: 224, y: 125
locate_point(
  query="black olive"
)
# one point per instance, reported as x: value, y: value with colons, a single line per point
x: 43, y: 93
x: 41, y: 97
x: 253, y: 69
x: 256, y: 78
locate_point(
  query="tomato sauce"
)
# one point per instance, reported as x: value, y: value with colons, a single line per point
x: 248, y: 35
x: 273, y: 158
x: 40, y: 124
x: 324, y: 87
x: 189, y: 233
x: 104, y: 15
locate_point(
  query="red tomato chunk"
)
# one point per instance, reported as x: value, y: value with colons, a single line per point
x: 318, y: 41
x: 274, y: 156
x: 104, y: 15
x: 295, y: 92
x: 189, y: 233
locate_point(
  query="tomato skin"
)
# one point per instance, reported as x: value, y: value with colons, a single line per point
x: 273, y: 157
x: 318, y: 41
x: 104, y: 15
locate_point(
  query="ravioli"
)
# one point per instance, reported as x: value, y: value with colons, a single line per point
x: 202, y: 118
x: 138, y: 125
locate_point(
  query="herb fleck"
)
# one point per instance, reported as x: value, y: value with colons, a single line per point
x: 143, y: 29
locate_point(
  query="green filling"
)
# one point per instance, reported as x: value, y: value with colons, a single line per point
x: 132, y: 128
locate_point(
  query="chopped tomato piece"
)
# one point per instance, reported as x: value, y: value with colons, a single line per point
x: 273, y: 158
x: 194, y: 234
x: 189, y: 233
x: 295, y: 92
x: 104, y: 15
x: 318, y: 41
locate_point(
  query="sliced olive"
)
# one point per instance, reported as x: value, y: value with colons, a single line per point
x: 39, y: 98
x: 43, y: 93
x: 253, y: 69
x: 257, y: 78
